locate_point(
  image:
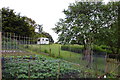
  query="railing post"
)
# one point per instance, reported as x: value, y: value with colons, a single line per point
x: 0, y: 45
x: 0, y: 55
x: 29, y: 71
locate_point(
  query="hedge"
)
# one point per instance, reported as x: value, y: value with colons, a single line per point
x: 72, y: 48
x: 99, y: 50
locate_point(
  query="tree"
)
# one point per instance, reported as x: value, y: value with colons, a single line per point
x: 48, y: 36
x: 81, y: 23
x: 90, y: 23
x: 41, y: 33
x: 110, y: 34
x: 40, y: 28
x: 14, y: 23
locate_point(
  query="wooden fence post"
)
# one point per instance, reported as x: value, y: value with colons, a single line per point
x: 0, y: 45
x: 59, y: 50
x: 29, y: 71
x: 106, y: 63
x: 49, y: 50
x: 58, y: 75
x: 0, y: 55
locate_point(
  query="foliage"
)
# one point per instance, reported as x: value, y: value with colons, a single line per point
x: 99, y: 50
x: 44, y: 34
x: 21, y: 25
x: 41, y: 67
x: 45, y: 51
x: 110, y: 34
x: 41, y: 33
x: 48, y: 36
x: 91, y: 22
x: 14, y: 23
x: 81, y: 22
x: 54, y: 49
x: 8, y: 43
x: 69, y: 56
x: 72, y: 48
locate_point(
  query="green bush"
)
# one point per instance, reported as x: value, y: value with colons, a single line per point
x: 73, y: 48
x: 65, y: 47
x: 45, y: 51
x: 99, y: 50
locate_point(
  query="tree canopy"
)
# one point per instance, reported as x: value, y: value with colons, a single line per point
x: 90, y: 22
x: 14, y: 23
x: 21, y: 25
x: 46, y: 35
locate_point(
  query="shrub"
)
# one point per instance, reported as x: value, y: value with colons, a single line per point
x: 45, y: 51
x: 73, y: 48
x: 65, y: 47
x: 101, y: 49
x: 98, y: 50
x: 105, y: 47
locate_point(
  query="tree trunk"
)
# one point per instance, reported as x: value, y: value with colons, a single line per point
x: 87, y: 52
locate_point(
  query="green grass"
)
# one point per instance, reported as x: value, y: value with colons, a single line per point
x: 76, y: 59
x: 97, y: 66
x: 55, y: 51
x: 68, y: 56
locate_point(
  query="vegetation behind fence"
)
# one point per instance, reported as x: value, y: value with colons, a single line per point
x: 24, y: 49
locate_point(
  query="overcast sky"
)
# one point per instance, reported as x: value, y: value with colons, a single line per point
x: 45, y: 12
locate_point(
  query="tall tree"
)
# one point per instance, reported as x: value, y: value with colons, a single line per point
x: 12, y: 22
x: 110, y: 33
x: 90, y: 22
x: 81, y: 22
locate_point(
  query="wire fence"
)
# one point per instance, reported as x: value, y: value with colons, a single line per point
x: 11, y: 41
x: 22, y: 57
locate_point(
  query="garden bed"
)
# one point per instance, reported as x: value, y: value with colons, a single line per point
x: 38, y: 66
